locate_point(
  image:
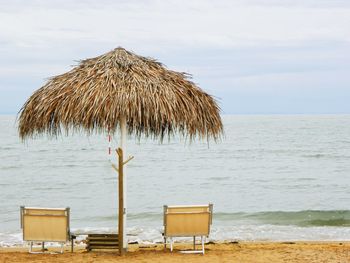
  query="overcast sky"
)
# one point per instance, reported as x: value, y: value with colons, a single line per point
x: 256, y: 57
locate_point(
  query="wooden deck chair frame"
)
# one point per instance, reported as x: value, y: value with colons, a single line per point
x: 45, y: 225
x: 187, y: 221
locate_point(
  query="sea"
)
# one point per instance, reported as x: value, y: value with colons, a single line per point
x: 270, y: 178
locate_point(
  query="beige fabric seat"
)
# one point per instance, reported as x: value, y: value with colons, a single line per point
x: 45, y: 225
x: 187, y: 221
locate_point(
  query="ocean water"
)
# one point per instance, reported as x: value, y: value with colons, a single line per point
x: 273, y: 177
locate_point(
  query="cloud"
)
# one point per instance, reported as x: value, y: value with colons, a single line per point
x: 297, y: 3
x: 219, y: 42
x: 170, y: 24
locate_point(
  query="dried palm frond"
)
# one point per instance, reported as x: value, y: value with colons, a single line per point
x: 95, y: 94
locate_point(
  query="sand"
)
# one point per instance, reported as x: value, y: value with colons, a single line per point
x: 246, y: 252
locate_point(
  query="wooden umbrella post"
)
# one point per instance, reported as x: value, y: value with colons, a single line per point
x: 121, y: 202
x: 121, y: 210
x: 124, y: 182
x: 122, y: 240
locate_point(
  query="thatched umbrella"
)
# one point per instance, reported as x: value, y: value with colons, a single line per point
x: 121, y: 90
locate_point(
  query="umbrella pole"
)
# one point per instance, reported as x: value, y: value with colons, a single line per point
x: 122, y: 240
x: 122, y: 203
x: 120, y: 171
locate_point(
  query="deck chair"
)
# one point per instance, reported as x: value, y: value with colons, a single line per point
x: 46, y: 225
x: 187, y: 221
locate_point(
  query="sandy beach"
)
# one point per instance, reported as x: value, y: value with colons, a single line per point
x: 226, y: 252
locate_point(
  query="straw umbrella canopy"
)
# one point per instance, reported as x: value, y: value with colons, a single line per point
x: 94, y: 96
x: 123, y: 90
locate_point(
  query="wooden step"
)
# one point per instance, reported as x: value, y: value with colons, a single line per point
x: 92, y: 239
x: 99, y: 242
x: 103, y: 235
x: 102, y: 247
x: 102, y: 241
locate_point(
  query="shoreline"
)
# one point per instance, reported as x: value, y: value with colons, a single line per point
x: 218, y: 234
x: 298, y: 251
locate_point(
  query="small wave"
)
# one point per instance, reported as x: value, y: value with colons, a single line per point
x: 219, y: 178
x: 71, y: 165
x: 43, y: 150
x: 304, y: 218
x: 329, y: 222
x: 147, y: 216
x: 10, y: 167
x: 307, y: 179
x: 131, y: 216
x: 318, y: 155
x: 48, y: 188
x: 6, y: 148
x: 323, y: 155
x: 101, y: 218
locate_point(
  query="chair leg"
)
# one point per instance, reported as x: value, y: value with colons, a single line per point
x: 31, y: 247
x: 202, y: 241
x: 43, y: 246
x: 194, y: 243
x: 61, y: 248
x: 164, y: 243
x: 171, y: 244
